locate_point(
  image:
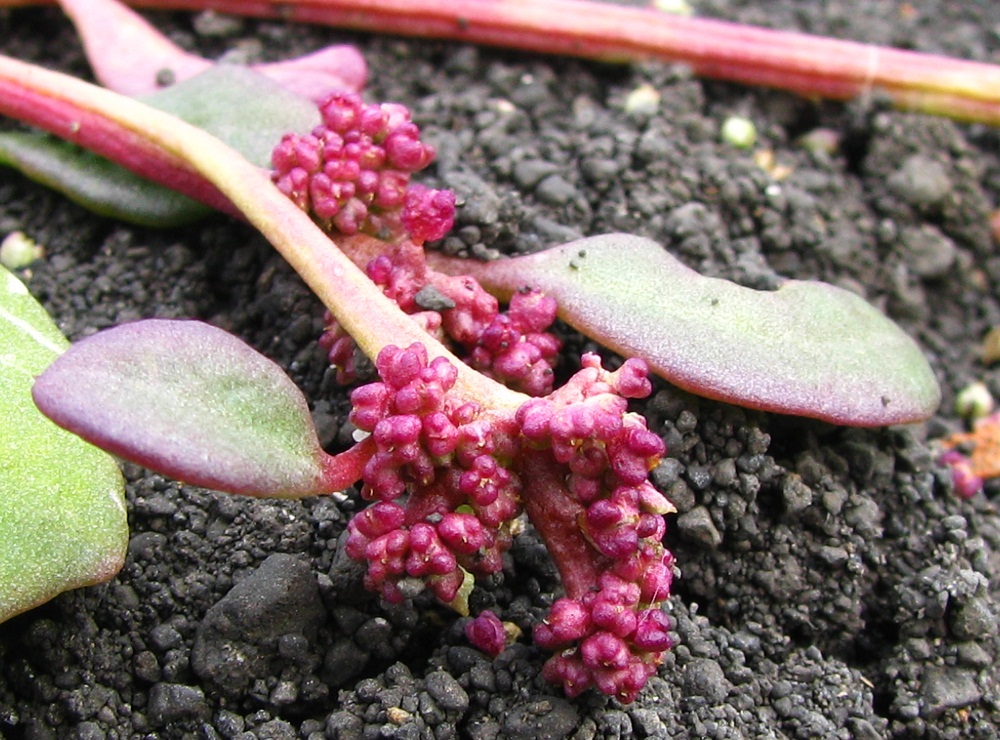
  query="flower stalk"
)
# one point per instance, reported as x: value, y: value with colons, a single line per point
x: 809, y: 65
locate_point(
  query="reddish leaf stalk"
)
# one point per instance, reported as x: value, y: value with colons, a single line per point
x: 805, y: 64
x: 57, y: 114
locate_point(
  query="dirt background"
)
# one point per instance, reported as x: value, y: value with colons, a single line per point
x: 832, y: 584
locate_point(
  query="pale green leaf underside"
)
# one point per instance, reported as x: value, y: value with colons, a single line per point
x: 808, y: 348
x: 62, y: 505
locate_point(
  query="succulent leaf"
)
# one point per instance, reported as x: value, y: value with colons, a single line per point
x: 807, y: 348
x: 191, y: 401
x: 62, y: 502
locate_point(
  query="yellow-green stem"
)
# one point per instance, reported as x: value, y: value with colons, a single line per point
x: 360, y: 307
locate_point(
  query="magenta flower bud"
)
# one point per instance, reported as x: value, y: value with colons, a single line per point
x: 340, y: 111
x: 618, y: 619
x: 532, y: 311
x: 446, y: 586
x: 608, y: 513
x: 404, y: 151
x: 617, y: 589
x: 651, y: 526
x: 396, y: 115
x: 657, y: 579
x: 397, y: 367
x: 623, y: 683
x: 439, y: 435
x: 569, y: 672
x: 486, y: 633
x: 370, y: 404
x: 325, y: 204
x: 463, y: 533
x: 967, y: 484
x: 652, y: 633
x: 382, y: 477
x: 642, y: 442
x: 391, y: 190
x: 427, y: 555
x: 397, y: 431
x: 568, y: 621
x: 371, y: 159
x: 533, y: 418
x: 499, y: 335
x: 590, y: 460
x: 604, y: 650
x: 389, y: 550
x: 441, y: 371
x: 372, y: 120
x: 350, y: 217
x: 480, y: 489
x: 631, y: 380
x: 378, y: 519
x: 344, y: 170
x: 428, y: 214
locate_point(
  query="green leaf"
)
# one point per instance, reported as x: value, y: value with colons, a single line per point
x: 96, y: 183
x: 62, y: 501
x: 191, y: 401
x: 243, y: 108
x: 807, y: 348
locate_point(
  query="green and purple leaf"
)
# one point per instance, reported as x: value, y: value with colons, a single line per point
x: 62, y: 502
x: 193, y: 402
x: 130, y: 56
x: 807, y: 348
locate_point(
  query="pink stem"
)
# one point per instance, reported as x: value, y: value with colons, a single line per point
x: 555, y: 513
x: 801, y: 63
x: 344, y: 469
x: 93, y: 131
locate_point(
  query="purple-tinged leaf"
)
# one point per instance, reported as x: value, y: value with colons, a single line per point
x: 807, y: 348
x: 193, y: 402
x: 130, y: 56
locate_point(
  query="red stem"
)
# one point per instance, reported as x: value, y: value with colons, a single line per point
x: 555, y: 513
x: 344, y: 469
x: 98, y: 134
x: 801, y: 63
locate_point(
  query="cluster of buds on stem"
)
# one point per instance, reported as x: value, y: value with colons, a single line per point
x: 444, y: 497
x: 352, y: 173
x: 446, y: 479
x: 609, y: 631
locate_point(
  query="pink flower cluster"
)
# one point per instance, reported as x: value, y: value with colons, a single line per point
x: 512, y: 347
x: 446, y: 478
x: 444, y: 498
x: 352, y: 173
x: 609, y: 630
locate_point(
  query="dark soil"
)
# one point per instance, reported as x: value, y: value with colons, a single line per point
x: 833, y: 585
